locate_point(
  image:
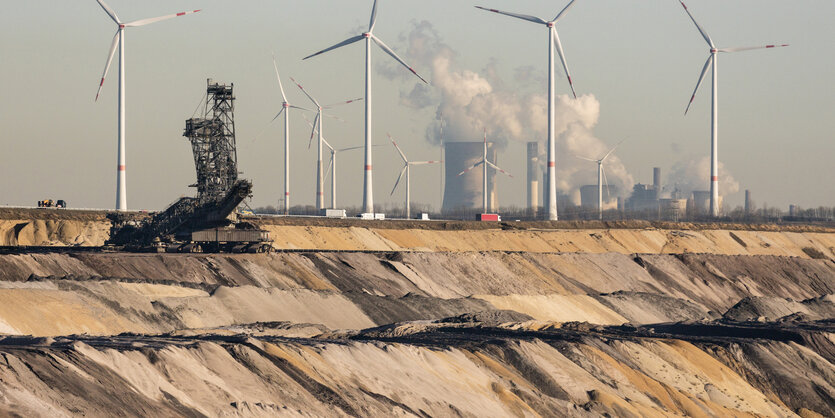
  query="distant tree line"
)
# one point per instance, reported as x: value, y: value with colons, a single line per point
x: 765, y: 214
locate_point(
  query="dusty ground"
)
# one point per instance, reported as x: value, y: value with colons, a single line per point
x: 455, y: 321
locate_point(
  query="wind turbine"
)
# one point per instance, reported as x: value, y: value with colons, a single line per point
x: 285, y: 108
x: 484, y: 163
x: 714, y: 128
x: 553, y: 37
x: 119, y: 40
x: 332, y: 164
x: 601, y: 177
x: 368, y: 194
x: 407, y: 168
x: 320, y: 191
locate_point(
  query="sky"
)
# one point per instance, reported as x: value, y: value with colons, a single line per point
x: 634, y: 65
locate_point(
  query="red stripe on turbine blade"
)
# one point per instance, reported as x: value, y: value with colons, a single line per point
x: 769, y: 46
x: 494, y: 10
x: 102, y: 82
x: 714, y: 178
x: 181, y: 13
x: 367, y: 168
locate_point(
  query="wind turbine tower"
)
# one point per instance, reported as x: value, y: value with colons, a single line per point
x: 119, y: 40
x: 553, y: 39
x: 601, y: 178
x: 484, y: 163
x: 368, y: 194
x: 407, y: 169
x: 285, y: 108
x: 320, y: 178
x: 714, y: 118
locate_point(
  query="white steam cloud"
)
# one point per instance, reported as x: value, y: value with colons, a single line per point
x: 692, y: 174
x: 468, y: 102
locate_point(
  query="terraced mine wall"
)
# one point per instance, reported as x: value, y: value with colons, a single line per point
x: 433, y: 321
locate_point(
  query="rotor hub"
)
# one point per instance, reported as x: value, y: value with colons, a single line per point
x: 550, y: 24
x: 713, y: 50
x: 366, y: 35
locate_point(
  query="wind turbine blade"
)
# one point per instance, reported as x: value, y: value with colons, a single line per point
x: 584, y: 158
x: 472, y: 167
x: 533, y: 19
x: 702, y: 31
x: 402, y: 155
x: 336, y: 118
x: 605, y: 180
x: 328, y: 144
x: 300, y: 108
x: 562, y: 58
x: 748, y: 48
x: 277, y: 115
x: 109, y: 12
x: 612, y: 150
x: 305, y: 93
x: 330, y: 165
x: 373, y: 17
x: 559, y: 15
x: 278, y: 77
x: 699, y: 83
x: 393, y: 55
x: 148, y: 21
x: 341, y: 103
x: 357, y: 147
x: 424, y: 162
x: 339, y: 45
x: 500, y: 170
x: 312, y: 132
x: 109, y: 60
x: 398, y: 179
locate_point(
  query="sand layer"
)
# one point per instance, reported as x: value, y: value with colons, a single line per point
x: 479, y: 322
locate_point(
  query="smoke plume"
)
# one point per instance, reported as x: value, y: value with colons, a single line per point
x: 468, y: 101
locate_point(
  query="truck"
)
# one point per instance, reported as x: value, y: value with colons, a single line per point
x: 49, y: 203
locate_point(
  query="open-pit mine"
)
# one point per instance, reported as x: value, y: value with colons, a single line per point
x: 384, y: 318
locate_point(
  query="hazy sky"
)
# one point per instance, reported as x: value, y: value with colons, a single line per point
x: 634, y: 64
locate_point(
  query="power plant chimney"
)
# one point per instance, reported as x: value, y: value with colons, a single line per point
x: 533, y: 177
x: 656, y: 181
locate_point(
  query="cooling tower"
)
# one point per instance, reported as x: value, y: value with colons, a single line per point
x: 588, y: 196
x: 701, y: 203
x: 464, y: 191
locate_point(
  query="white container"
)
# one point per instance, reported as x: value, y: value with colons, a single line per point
x: 334, y: 213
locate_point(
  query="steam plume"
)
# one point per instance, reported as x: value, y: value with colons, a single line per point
x: 471, y: 101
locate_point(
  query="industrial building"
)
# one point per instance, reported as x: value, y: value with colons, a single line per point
x: 645, y: 197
